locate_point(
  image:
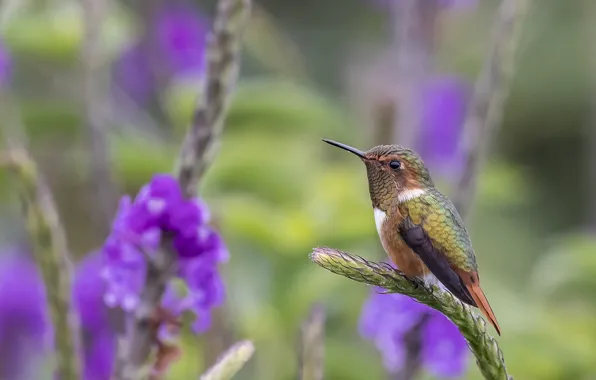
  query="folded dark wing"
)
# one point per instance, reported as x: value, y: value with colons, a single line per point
x: 417, y: 239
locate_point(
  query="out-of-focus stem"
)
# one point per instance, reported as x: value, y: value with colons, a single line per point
x: 590, y: 130
x: 413, y: 344
x: 590, y: 154
x: 492, y: 88
x: 223, y: 63
x: 413, y: 24
x: 94, y: 79
x: 384, y: 114
x: 51, y: 254
x: 312, y: 346
x: 230, y: 362
x: 136, y: 346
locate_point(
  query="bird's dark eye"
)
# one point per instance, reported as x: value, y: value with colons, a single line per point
x: 395, y: 164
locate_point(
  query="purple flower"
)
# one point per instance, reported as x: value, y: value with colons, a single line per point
x: 181, y: 35
x: 161, y: 210
x: 174, y: 46
x: 444, y: 107
x: 5, y: 65
x: 25, y: 330
x: 100, y: 354
x: 99, y: 338
x: 132, y: 73
x: 385, y: 320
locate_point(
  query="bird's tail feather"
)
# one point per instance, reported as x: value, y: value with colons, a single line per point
x: 480, y: 299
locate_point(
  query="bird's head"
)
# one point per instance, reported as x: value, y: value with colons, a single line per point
x: 395, y: 173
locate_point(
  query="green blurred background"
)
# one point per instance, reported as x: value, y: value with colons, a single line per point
x: 277, y: 191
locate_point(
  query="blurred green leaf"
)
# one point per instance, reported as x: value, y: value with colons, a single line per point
x: 266, y: 104
x: 364, y: 361
x: 501, y: 183
x: 190, y: 364
x: 50, y: 118
x: 264, y: 165
x: 340, y: 205
x: 568, y: 267
x: 55, y: 34
x: 136, y: 160
x: 266, y: 41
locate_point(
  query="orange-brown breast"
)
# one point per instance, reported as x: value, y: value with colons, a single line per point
x: 400, y: 254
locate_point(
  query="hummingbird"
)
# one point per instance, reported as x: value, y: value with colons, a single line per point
x: 419, y: 227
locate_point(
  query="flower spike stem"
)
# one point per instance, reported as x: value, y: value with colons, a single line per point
x: 51, y: 254
x: 489, y: 356
x: 223, y: 61
x: 312, y: 345
x: 135, y: 349
x: 492, y: 88
x: 94, y: 79
x: 230, y: 362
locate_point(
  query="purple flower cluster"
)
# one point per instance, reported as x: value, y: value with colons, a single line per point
x: 387, y: 318
x: 158, y: 210
x: 444, y: 108
x: 173, y: 46
x: 25, y: 330
x: 99, y: 336
x: 181, y: 34
x: 161, y: 211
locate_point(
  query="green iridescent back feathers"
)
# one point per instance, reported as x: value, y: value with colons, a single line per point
x: 443, y: 225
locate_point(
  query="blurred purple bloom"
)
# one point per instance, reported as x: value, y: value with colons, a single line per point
x: 133, y: 74
x: 444, y: 107
x: 158, y: 209
x: 100, y: 354
x: 181, y: 34
x: 174, y: 46
x: 25, y: 330
x: 99, y: 338
x: 5, y: 65
x: 385, y: 320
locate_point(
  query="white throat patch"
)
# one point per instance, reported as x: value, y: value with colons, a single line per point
x: 407, y: 195
x: 380, y: 216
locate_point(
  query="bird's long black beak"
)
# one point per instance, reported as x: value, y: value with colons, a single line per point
x: 357, y: 152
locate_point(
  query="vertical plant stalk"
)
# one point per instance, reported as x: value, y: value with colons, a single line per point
x: 51, y: 254
x: 223, y: 58
x: 487, y: 107
x: 413, y: 24
x: 590, y: 154
x: 413, y: 344
x: 219, y: 336
x: 135, y: 348
x: 312, y: 346
x: 384, y: 114
x: 590, y: 131
x: 149, y: 11
x: 230, y: 362
x: 94, y: 79
x: 223, y: 61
